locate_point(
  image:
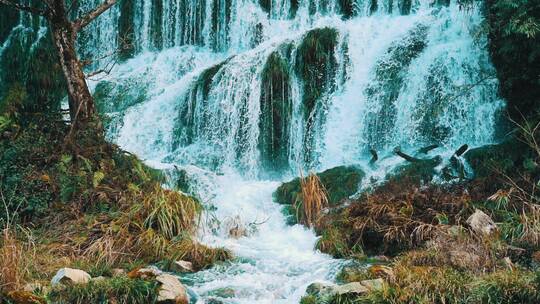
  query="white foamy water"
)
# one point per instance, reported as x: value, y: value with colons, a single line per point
x: 277, y: 260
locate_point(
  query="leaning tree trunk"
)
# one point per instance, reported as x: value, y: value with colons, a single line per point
x: 81, y: 103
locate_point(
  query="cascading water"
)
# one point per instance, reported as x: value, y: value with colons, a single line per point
x: 241, y: 94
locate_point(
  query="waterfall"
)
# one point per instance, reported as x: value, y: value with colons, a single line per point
x: 240, y: 94
x: 319, y: 88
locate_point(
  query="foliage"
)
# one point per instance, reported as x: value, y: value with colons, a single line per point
x: 514, y: 42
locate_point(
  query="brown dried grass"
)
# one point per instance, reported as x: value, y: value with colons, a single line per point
x: 314, y: 199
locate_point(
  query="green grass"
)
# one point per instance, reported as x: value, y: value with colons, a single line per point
x: 118, y: 290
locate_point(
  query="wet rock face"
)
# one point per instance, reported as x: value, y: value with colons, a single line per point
x: 317, y: 67
x: 390, y: 77
x: 276, y: 113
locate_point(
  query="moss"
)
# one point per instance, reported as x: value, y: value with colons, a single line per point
x: 418, y: 172
x: 339, y: 182
x: 309, y: 299
x: 405, y: 6
x: 504, y: 157
x: 112, y: 99
x: 14, y: 57
x: 276, y: 112
x: 360, y: 270
x: 266, y: 5
x: 316, y: 65
x: 45, y: 82
x: 347, y: 8
x: 113, y: 290
x: 33, y: 64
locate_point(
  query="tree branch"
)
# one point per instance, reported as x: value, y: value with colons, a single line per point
x: 29, y: 9
x: 86, y: 19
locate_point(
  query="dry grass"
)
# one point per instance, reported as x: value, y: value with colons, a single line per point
x: 16, y: 258
x: 314, y: 199
x: 531, y: 226
x: 158, y: 229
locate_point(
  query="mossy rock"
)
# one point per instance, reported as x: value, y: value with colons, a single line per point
x: 340, y: 183
x: 420, y: 171
x: 316, y: 65
x: 504, y: 157
x: 275, y: 113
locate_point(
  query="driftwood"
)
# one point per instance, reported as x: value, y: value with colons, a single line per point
x: 426, y: 149
x: 461, y: 150
x: 374, y: 156
x: 406, y: 156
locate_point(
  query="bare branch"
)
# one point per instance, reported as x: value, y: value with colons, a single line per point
x: 26, y: 8
x: 86, y: 19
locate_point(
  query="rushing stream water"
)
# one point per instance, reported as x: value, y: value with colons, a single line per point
x: 243, y: 94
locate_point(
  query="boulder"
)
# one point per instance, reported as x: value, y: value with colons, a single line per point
x: 419, y: 171
x: 183, y: 266
x: 481, y: 223
x: 351, y: 288
x: 371, y: 285
x: 320, y: 290
x: 504, y: 157
x: 339, y: 182
x: 144, y: 273
x: 171, y: 290
x: 70, y: 276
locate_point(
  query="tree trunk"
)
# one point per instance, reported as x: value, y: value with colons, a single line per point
x: 81, y: 103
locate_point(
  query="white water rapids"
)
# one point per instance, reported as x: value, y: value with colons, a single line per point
x: 396, y: 80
